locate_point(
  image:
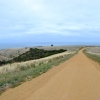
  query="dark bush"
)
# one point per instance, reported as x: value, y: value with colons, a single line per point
x: 32, y: 54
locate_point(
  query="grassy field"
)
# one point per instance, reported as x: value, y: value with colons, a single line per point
x: 13, y: 67
x: 93, y: 50
x: 8, y: 54
x: 32, y: 54
x: 92, y: 56
x: 27, y: 71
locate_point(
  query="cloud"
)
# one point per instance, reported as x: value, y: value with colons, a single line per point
x: 30, y: 18
x: 35, y: 5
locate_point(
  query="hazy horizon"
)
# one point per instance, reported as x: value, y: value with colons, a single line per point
x: 17, y: 45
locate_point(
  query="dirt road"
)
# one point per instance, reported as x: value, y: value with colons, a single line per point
x: 75, y: 79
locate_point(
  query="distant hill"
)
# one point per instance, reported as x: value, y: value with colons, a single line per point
x: 9, y: 54
x: 32, y: 54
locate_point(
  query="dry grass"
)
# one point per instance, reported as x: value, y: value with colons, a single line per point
x: 17, y: 66
x: 93, y: 50
x: 8, y: 54
x: 94, y: 56
x: 14, y: 74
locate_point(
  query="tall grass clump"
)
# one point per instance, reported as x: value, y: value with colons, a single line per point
x: 29, y: 70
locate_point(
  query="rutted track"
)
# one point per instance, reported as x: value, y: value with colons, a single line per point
x: 75, y: 79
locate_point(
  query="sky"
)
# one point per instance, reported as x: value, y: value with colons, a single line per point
x: 49, y: 21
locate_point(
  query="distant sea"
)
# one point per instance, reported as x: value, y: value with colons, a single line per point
x: 21, y: 45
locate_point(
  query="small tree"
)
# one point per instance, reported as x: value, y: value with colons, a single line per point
x: 51, y: 44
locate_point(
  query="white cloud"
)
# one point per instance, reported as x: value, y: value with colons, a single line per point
x: 64, y: 17
x: 16, y: 27
x: 34, y: 5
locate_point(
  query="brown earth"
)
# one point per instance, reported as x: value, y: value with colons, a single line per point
x: 75, y: 79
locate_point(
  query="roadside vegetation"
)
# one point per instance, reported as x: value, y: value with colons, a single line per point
x: 28, y: 72
x: 32, y: 54
x: 94, y: 57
